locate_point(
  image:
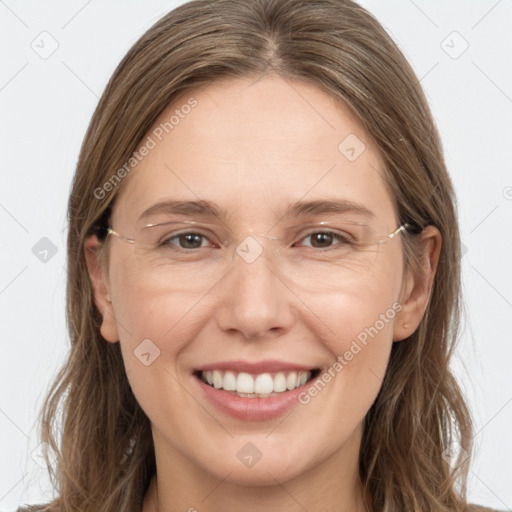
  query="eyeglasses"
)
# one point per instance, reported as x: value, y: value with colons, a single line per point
x: 188, y: 255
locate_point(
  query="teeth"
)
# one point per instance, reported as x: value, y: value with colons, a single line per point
x: 244, y: 383
x: 217, y: 379
x: 291, y: 381
x: 229, y: 382
x: 264, y: 383
x: 280, y: 382
x: 255, y: 386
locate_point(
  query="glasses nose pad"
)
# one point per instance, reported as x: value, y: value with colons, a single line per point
x: 273, y: 245
x: 250, y: 249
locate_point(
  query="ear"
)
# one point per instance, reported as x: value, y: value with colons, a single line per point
x: 418, y: 285
x: 101, y: 291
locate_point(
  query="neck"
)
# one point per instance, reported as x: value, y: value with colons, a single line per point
x: 333, y: 485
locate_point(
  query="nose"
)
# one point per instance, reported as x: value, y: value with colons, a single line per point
x: 255, y: 300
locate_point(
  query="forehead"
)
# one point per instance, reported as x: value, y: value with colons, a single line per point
x: 254, y: 146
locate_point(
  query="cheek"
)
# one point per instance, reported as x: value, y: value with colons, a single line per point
x: 154, y: 324
x: 360, y: 345
x: 360, y: 349
x: 357, y: 330
x: 360, y: 309
x: 146, y: 304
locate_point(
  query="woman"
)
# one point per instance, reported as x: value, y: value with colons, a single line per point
x: 263, y: 285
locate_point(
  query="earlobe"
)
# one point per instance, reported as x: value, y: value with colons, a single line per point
x: 418, y: 285
x: 101, y: 291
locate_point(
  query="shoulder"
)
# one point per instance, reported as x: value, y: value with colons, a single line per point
x: 37, y: 508
x: 48, y: 508
x: 479, y: 508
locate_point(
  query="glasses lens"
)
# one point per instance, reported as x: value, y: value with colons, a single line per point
x: 194, y: 256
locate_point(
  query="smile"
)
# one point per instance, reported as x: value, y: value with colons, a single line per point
x: 261, y: 385
x: 253, y: 391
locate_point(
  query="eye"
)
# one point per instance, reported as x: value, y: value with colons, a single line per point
x: 187, y: 241
x: 326, y: 239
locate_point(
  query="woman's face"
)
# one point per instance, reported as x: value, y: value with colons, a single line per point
x: 256, y: 311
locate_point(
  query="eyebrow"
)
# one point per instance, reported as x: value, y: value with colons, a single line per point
x: 208, y: 209
x: 321, y: 207
x: 199, y: 208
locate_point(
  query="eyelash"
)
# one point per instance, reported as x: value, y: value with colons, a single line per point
x: 343, y: 239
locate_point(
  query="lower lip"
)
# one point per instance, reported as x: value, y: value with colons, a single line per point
x: 252, y: 409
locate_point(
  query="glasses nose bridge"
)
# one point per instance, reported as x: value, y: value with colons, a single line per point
x: 257, y: 271
x: 255, y: 245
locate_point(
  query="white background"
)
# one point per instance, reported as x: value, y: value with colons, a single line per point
x: 46, y: 105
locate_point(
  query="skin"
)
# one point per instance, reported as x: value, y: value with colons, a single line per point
x: 254, y: 147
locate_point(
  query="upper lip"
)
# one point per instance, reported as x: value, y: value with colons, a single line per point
x: 255, y: 367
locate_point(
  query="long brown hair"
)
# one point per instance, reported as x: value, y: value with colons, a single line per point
x: 91, y: 420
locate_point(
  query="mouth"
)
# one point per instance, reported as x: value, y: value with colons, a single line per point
x: 256, y: 385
